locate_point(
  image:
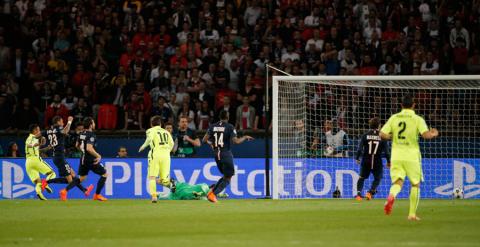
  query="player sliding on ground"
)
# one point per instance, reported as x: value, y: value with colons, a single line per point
x: 185, y: 191
x: 56, y: 137
x: 371, y: 149
x: 161, y: 144
x: 34, y: 164
x: 403, y: 129
x: 219, y: 136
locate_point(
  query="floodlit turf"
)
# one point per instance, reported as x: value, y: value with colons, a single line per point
x: 236, y: 223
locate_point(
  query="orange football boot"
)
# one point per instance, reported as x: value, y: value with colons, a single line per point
x: 99, y: 197
x: 389, y: 205
x: 89, y: 189
x: 63, y: 195
x: 211, y: 196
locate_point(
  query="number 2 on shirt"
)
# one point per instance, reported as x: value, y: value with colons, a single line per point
x: 403, y: 126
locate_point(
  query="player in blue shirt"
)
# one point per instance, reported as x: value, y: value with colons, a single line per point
x: 371, y: 149
x: 90, y: 160
x: 56, y: 137
x: 219, y: 136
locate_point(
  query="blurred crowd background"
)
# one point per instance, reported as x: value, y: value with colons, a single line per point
x: 124, y: 61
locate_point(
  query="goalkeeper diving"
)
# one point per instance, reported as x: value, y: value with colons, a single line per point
x: 185, y: 191
x: 161, y: 144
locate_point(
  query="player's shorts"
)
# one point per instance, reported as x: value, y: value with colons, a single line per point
x: 63, y: 167
x: 404, y: 168
x: 366, y: 169
x: 35, y: 166
x: 159, y: 166
x: 86, y: 167
x: 224, y: 161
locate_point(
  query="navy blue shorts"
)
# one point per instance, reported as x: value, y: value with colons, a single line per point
x: 63, y: 167
x: 377, y: 169
x: 224, y: 161
x: 86, y: 167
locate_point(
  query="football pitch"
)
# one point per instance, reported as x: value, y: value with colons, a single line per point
x: 237, y: 223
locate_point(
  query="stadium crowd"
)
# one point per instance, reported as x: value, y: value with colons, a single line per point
x: 123, y: 61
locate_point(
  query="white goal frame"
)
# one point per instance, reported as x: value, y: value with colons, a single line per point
x: 411, y: 82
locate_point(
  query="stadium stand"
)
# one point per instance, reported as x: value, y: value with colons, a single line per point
x: 127, y: 54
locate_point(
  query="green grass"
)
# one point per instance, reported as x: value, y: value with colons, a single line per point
x: 236, y: 223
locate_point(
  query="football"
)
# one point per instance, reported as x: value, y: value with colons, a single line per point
x: 458, y: 193
x: 329, y: 150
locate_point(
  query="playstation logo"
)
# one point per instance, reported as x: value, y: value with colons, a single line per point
x: 464, y: 177
x: 12, y: 185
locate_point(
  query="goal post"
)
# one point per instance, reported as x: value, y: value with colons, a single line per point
x: 318, y: 120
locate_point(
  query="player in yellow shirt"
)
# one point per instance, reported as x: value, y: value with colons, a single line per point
x: 161, y: 144
x: 403, y: 129
x: 34, y: 163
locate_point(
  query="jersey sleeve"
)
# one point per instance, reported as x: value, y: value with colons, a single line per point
x: 360, y: 148
x: 90, y: 139
x: 387, y: 127
x: 171, y: 143
x: 234, y: 132
x: 210, y: 130
x: 421, y: 125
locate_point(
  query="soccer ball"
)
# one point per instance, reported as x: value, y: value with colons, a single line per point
x: 329, y: 151
x: 457, y: 193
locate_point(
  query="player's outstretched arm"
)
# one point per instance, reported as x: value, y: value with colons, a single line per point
x: 237, y: 140
x: 385, y: 136
x: 67, y: 127
x: 145, y: 144
x: 432, y: 133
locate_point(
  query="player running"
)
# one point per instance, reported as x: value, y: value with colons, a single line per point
x: 219, y: 136
x: 56, y: 137
x: 403, y: 129
x: 90, y: 160
x: 371, y: 148
x: 161, y: 144
x: 34, y: 164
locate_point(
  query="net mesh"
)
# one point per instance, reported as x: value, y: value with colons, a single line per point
x: 318, y: 124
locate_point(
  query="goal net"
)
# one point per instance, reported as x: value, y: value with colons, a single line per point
x: 318, y: 121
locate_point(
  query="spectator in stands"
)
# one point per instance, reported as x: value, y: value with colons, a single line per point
x: 122, y: 152
x: 245, y: 115
x: 188, y: 113
x: 334, y: 141
x: 70, y: 101
x: 226, y: 105
x: 6, y: 109
x: 186, y: 139
x: 82, y: 46
x: 430, y: 66
x: 162, y: 109
x: 367, y: 67
x: 134, y: 111
x: 56, y: 108
x: 25, y: 114
x: 80, y: 111
x: 459, y: 36
x: 205, y: 116
x: 473, y: 65
x: 12, y: 151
